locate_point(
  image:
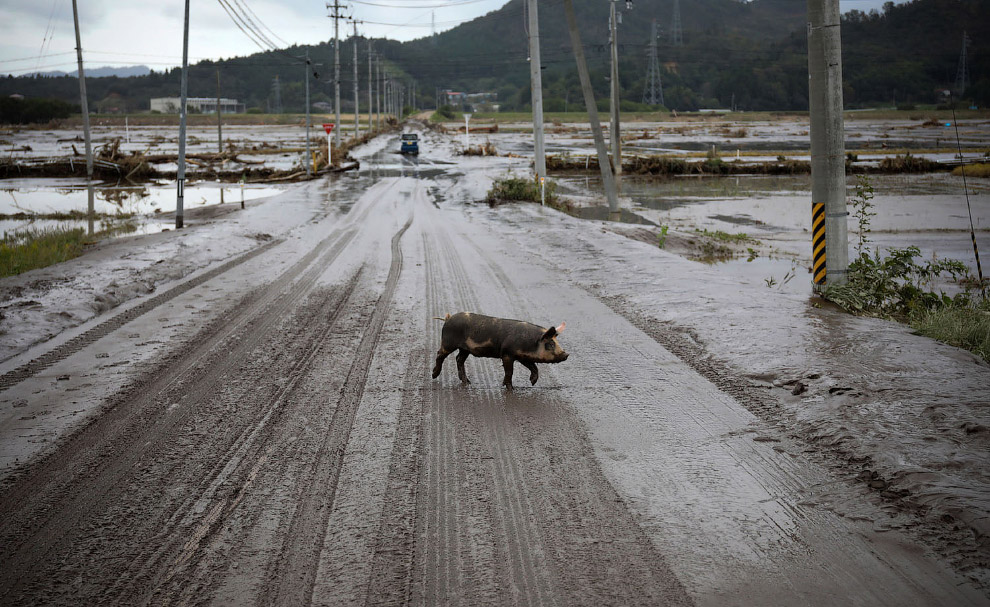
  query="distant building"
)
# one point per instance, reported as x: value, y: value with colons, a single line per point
x: 197, y: 105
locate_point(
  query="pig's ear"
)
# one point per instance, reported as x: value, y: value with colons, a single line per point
x: 549, y: 333
x: 560, y: 329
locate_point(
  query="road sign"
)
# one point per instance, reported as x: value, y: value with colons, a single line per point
x: 328, y: 127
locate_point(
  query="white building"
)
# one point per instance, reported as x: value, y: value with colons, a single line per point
x: 199, y: 105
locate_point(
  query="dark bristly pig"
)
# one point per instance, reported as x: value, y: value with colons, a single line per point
x: 490, y: 337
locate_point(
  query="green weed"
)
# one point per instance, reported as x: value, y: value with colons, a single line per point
x: 518, y: 189
x: 31, y: 249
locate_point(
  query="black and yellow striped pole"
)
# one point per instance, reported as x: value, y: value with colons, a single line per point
x: 818, y: 243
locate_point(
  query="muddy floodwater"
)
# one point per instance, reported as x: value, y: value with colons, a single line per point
x: 926, y: 211
x: 37, y: 204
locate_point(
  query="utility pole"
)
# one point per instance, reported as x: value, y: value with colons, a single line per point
x: 653, y: 91
x: 370, y: 106
x: 589, y: 101
x: 614, y: 97
x: 336, y: 15
x: 536, y: 91
x: 183, y: 93
x: 219, y: 121
x: 309, y: 157
x: 357, y: 113
x: 828, y: 170
x: 378, y: 91
x: 91, y: 209
x: 276, y: 106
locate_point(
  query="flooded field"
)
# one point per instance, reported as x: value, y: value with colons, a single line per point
x: 927, y: 211
x: 39, y: 204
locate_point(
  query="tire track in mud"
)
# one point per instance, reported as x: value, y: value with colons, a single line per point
x: 535, y: 580
x: 293, y: 579
x: 512, y: 504
x: 227, y: 479
x: 74, y: 481
x: 77, y: 343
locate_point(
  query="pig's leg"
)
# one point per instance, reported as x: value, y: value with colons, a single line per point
x: 461, y: 357
x: 441, y: 355
x: 534, y: 374
x: 507, y: 364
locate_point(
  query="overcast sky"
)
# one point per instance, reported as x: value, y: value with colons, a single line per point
x: 38, y: 35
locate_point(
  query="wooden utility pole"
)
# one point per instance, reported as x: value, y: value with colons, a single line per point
x: 608, y: 179
x: 830, y: 250
x: 91, y: 208
x: 183, y: 96
x: 536, y: 93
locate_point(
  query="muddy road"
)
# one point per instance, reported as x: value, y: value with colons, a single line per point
x: 280, y: 442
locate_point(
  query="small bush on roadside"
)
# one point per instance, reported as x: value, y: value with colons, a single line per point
x: 895, y: 285
x: 518, y: 189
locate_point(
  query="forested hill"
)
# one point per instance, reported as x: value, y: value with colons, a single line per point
x: 753, y: 55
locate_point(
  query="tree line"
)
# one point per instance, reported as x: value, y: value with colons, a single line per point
x: 748, y: 56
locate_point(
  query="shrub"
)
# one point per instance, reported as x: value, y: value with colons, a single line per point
x: 515, y: 188
x: 894, y: 285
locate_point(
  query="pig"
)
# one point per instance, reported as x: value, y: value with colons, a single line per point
x: 490, y: 337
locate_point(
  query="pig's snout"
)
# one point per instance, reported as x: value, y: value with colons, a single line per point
x: 562, y: 357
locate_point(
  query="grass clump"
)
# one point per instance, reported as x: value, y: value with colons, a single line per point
x: 961, y: 326
x: 973, y: 170
x: 726, y: 237
x: 28, y: 250
x: 896, y: 285
x: 518, y: 189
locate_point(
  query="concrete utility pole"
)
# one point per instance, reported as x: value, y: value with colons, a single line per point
x: 219, y: 121
x: 828, y: 169
x: 370, y: 105
x: 608, y: 180
x: 378, y: 91
x: 336, y: 15
x: 357, y: 113
x: 309, y: 157
x: 614, y: 97
x: 91, y: 208
x: 183, y: 94
x: 536, y: 91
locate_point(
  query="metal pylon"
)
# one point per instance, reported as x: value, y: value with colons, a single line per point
x: 653, y: 91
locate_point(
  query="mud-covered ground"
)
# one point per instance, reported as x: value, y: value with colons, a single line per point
x: 242, y: 412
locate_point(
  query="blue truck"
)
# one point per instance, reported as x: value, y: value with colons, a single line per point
x: 410, y: 143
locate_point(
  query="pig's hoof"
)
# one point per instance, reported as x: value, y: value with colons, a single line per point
x: 465, y: 381
x: 436, y: 372
x: 532, y: 380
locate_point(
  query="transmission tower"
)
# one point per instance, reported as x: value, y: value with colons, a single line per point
x: 676, y: 38
x: 653, y: 91
x: 962, y: 74
x: 276, y: 96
